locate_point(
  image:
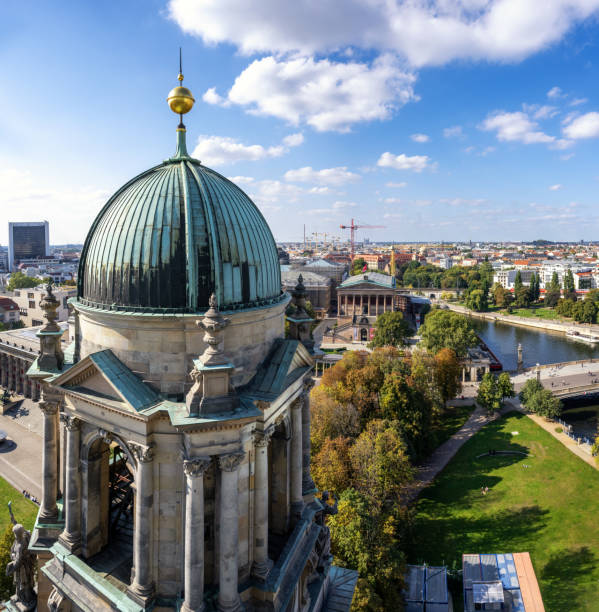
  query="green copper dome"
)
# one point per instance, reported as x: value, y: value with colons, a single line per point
x: 174, y: 235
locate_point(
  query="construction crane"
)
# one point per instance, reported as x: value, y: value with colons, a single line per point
x: 352, y: 232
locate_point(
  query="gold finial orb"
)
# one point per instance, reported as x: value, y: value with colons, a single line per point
x: 180, y: 98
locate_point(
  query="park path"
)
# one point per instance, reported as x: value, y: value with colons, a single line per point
x: 427, y: 472
x: 549, y: 426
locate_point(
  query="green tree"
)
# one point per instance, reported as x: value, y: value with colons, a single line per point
x: 370, y: 542
x: 477, y: 300
x: 7, y: 588
x: 545, y: 404
x: 357, y: 266
x: 489, y: 395
x: 486, y: 275
x: 585, y: 311
x: 391, y: 330
x: 569, y: 290
x: 502, y: 297
x: 505, y: 385
x: 554, y: 284
x: 565, y: 307
x: 522, y: 297
x: 447, y: 329
x: 518, y: 281
x: 18, y: 280
x: 530, y: 387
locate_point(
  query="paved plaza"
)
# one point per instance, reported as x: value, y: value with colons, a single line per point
x: 560, y: 376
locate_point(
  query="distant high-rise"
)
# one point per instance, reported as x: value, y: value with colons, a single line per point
x: 27, y: 241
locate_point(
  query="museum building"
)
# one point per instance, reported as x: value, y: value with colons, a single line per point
x: 176, y: 458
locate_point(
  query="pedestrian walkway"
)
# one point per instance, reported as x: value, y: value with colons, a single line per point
x: 441, y: 457
x: 550, y: 427
x: 21, y: 452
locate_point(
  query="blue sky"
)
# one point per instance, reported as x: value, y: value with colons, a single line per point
x: 441, y: 120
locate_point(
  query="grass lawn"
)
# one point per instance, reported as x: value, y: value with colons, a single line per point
x: 548, y: 509
x: 24, y: 510
x: 539, y: 312
x: 450, y: 421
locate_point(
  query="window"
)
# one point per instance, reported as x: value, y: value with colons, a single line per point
x: 17, y: 294
x: 31, y: 304
x: 23, y: 312
x: 30, y: 296
x: 35, y: 322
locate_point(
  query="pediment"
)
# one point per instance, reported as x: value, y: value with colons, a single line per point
x: 287, y: 361
x: 102, y: 377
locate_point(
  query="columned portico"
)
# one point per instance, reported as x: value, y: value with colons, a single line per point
x: 297, y: 498
x: 71, y: 536
x: 142, y: 586
x: 50, y: 407
x: 194, y: 469
x: 228, y: 595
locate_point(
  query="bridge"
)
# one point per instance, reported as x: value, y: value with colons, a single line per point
x: 564, y: 380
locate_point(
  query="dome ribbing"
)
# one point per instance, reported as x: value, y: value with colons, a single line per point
x: 174, y: 235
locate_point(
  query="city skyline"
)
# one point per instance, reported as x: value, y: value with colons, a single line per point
x: 486, y: 131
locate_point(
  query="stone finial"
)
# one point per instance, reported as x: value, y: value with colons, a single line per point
x: 300, y: 322
x: 51, y: 357
x: 49, y: 304
x: 213, y: 324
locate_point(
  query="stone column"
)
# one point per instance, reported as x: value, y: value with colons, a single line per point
x: 19, y: 376
x: 11, y: 374
x: 262, y: 563
x: 377, y: 305
x: 71, y: 536
x: 308, y: 485
x: 48, y: 510
x: 297, y: 499
x: 194, y: 469
x: 142, y: 586
x: 4, y: 374
x: 228, y: 594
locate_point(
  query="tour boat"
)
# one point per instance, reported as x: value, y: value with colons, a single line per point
x: 576, y: 335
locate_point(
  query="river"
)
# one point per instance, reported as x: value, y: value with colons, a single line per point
x: 542, y: 347
x: 538, y: 346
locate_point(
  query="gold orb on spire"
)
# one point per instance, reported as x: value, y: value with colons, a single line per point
x: 180, y: 98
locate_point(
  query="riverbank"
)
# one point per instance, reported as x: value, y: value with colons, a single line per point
x: 544, y: 324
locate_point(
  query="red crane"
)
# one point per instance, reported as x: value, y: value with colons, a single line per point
x: 352, y: 232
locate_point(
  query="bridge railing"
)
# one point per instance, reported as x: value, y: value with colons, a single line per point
x: 567, y: 429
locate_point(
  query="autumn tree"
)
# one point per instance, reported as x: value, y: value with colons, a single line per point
x: 448, y: 374
x: 331, y: 419
x: 330, y: 467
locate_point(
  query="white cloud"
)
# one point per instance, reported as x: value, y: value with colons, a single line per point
x: 453, y: 132
x: 517, y: 127
x: 293, y: 140
x: 556, y: 187
x: 541, y: 112
x: 273, y: 191
x: 326, y: 176
x: 419, y: 137
x: 241, y: 179
x: 211, y: 97
x: 585, y: 126
x: 555, y: 92
x: 320, y: 190
x: 220, y: 150
x: 392, y: 184
x: 69, y: 208
x: 392, y: 200
x: 325, y: 94
x: 341, y: 205
x: 425, y: 32
x: 416, y: 163
x: 578, y: 101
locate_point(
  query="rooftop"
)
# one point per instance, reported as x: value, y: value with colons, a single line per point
x: 373, y: 278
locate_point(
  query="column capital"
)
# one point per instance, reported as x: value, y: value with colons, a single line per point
x: 308, y: 386
x: 143, y: 454
x: 72, y: 423
x: 106, y: 436
x: 230, y: 462
x: 194, y: 467
x: 262, y: 438
x: 297, y: 403
x: 48, y: 408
